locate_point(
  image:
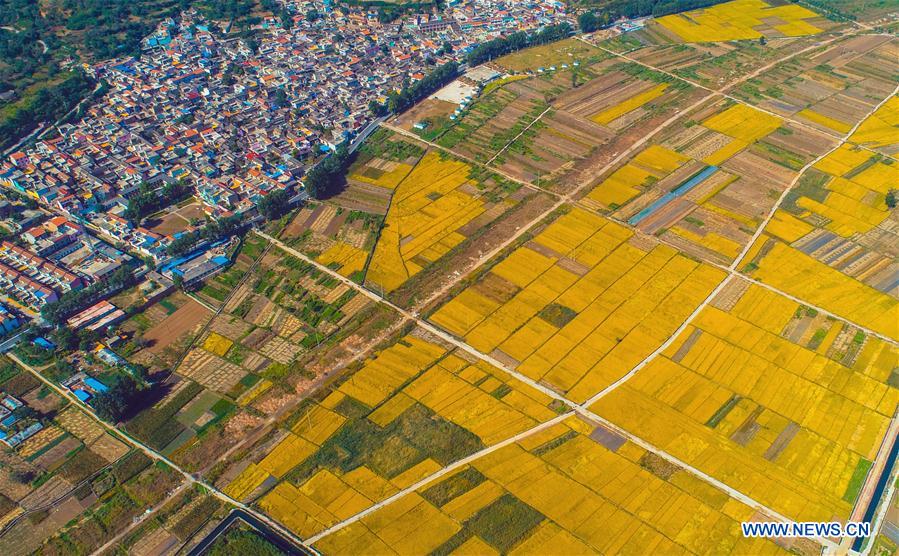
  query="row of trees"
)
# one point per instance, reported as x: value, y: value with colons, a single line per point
x: 73, y: 301
x: 213, y: 231
x: 274, y: 205
x: 515, y: 42
x: 149, y: 200
x: 327, y: 177
x: 411, y: 93
x: 611, y: 10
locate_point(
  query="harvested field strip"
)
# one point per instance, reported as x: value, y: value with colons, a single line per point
x: 630, y: 104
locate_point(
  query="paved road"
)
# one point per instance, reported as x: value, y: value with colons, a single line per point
x: 722, y: 91
x: 583, y: 408
x: 283, y: 544
x: 446, y: 470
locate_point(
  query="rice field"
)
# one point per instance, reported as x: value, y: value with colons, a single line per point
x: 573, y: 488
x: 429, y: 209
x: 879, y: 131
x: 769, y: 397
x: 740, y: 20
x: 413, y: 408
x: 580, y: 304
x: 798, y: 274
x: 706, y: 184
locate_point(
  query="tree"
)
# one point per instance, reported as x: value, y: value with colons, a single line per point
x: 312, y: 15
x: 65, y: 338
x: 891, y: 199
x: 377, y: 109
x: 281, y: 97
x: 588, y: 22
x: 326, y: 177
x: 116, y: 402
x: 286, y: 20
x: 274, y: 205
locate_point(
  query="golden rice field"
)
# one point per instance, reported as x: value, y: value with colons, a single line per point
x: 880, y: 129
x: 853, y: 205
x: 826, y: 121
x: 629, y: 105
x: 345, y: 258
x: 217, y: 344
x: 744, y: 125
x: 388, y: 177
x: 795, y: 273
x: 579, y: 305
x: 396, y: 398
x: 652, y: 164
x: 428, y: 208
x: 778, y: 421
x: 558, y: 491
x: 740, y: 20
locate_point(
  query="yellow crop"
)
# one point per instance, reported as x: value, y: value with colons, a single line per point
x: 743, y: 122
x: 426, y: 212
x: 880, y: 129
x: 826, y: 121
x: 217, y: 344
x: 580, y: 333
x: 289, y: 453
x: 787, y: 227
x: 771, y: 418
x: 795, y: 272
x: 349, y: 259
x: 738, y: 20
x: 629, y: 105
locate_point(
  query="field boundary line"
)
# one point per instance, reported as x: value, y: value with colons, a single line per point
x: 560, y: 199
x: 523, y: 131
x: 440, y: 473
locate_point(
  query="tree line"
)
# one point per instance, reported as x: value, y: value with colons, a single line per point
x: 411, y: 93
x: 73, y: 301
x: 149, y: 200
x: 213, y: 231
x: 611, y: 10
x: 515, y: 42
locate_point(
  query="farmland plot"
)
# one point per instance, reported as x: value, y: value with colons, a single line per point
x: 580, y: 304
x: 339, y: 238
x: 706, y: 184
x: 830, y: 88
x: 741, y: 19
x: 574, y: 488
x: 412, y: 409
x: 712, y: 65
x: 769, y: 397
x: 615, y: 105
x: 441, y: 204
